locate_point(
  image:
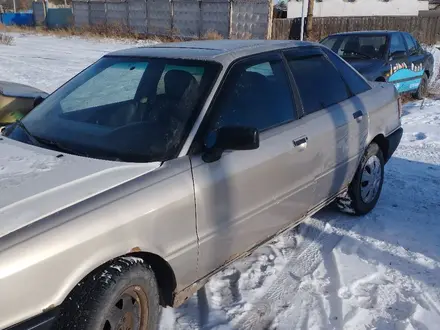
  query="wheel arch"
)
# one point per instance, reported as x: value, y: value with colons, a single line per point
x: 383, y: 144
x: 165, y: 276
x: 380, y: 79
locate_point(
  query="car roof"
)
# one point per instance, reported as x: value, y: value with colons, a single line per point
x: 222, y: 51
x: 370, y: 32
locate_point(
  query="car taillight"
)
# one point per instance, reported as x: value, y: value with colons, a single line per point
x: 399, y: 106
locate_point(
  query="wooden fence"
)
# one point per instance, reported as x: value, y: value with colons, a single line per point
x: 425, y: 29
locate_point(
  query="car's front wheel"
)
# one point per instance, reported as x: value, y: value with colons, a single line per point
x: 123, y: 295
x: 364, y: 191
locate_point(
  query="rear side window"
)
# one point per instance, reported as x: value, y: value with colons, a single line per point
x: 356, y: 84
x: 412, y: 47
x: 319, y: 83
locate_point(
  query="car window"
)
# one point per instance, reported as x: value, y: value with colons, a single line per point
x: 256, y: 95
x: 355, y: 82
x: 196, y: 72
x: 397, y: 44
x: 412, y: 47
x: 319, y: 83
x: 357, y: 46
x: 117, y: 83
x: 111, y: 110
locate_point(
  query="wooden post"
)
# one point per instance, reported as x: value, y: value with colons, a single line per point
x: 310, y: 7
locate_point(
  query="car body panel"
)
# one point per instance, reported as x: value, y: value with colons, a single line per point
x: 16, y: 100
x: 132, y: 216
x: 73, y: 214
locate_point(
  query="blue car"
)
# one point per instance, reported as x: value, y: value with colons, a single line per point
x: 390, y: 56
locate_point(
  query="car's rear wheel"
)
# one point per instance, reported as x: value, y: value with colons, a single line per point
x: 422, y: 91
x: 364, y: 191
x: 123, y: 295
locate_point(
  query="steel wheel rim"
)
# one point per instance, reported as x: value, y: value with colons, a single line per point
x: 371, y: 179
x: 129, y: 311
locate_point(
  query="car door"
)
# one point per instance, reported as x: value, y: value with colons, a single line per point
x: 247, y: 196
x: 416, y: 60
x: 400, y: 72
x: 332, y: 117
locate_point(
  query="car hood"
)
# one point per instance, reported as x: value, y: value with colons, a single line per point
x: 36, y: 182
x: 365, y: 66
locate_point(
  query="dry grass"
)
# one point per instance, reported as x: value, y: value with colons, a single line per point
x: 212, y: 35
x: 6, y: 40
x: 115, y: 31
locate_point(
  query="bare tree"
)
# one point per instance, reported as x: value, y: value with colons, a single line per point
x: 309, y: 28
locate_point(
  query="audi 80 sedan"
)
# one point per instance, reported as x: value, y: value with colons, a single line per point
x: 131, y: 185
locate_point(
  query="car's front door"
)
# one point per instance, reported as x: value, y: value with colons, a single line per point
x: 247, y: 196
x: 401, y: 74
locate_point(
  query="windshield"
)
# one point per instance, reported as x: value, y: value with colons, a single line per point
x: 120, y: 108
x: 357, y: 46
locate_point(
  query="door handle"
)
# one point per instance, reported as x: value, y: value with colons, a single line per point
x: 301, y: 142
x: 358, y: 114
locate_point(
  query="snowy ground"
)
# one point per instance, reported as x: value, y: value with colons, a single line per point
x: 334, y: 271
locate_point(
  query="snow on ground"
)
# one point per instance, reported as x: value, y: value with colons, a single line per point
x: 334, y: 271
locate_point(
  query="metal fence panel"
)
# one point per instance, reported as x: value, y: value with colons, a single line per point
x: 39, y: 10
x: 159, y: 17
x: 59, y: 18
x: 20, y: 19
x: 81, y: 13
x: 137, y: 16
x: 117, y: 13
x: 186, y: 18
x: 97, y: 13
x: 250, y: 19
x: 215, y: 17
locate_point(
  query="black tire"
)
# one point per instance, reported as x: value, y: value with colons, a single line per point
x: 422, y: 91
x: 352, y: 202
x: 90, y: 304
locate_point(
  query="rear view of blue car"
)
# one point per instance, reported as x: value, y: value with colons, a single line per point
x: 388, y: 56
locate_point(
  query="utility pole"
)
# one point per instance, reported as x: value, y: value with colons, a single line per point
x: 15, y: 7
x: 302, y: 21
x: 310, y: 7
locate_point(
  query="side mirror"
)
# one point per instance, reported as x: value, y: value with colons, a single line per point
x: 232, y: 138
x: 397, y: 54
x: 38, y: 100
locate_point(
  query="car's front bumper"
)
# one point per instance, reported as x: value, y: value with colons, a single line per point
x: 44, y: 321
x: 393, y: 142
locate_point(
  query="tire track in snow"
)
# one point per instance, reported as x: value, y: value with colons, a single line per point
x: 320, y: 239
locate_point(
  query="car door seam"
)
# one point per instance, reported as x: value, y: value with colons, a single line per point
x: 196, y: 220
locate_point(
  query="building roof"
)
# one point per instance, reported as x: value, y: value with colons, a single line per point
x: 215, y: 50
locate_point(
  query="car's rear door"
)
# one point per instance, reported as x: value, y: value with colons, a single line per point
x: 335, y: 120
x: 247, y: 196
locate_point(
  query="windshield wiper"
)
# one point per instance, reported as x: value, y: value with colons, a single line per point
x: 31, y: 137
x: 60, y: 147
x: 357, y: 53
